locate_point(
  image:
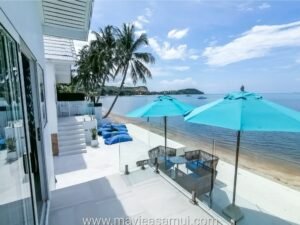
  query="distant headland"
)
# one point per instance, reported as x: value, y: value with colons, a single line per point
x: 143, y: 90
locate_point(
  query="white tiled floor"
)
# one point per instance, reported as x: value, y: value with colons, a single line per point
x: 91, y: 184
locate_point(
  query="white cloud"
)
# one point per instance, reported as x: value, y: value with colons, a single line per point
x: 178, y: 83
x: 142, y: 20
x: 255, y: 43
x: 298, y: 61
x: 139, y: 32
x: 138, y: 24
x: 181, y: 68
x: 264, y: 6
x: 194, y: 57
x: 245, y: 7
x: 158, y: 71
x: 148, y: 12
x: 166, y: 71
x: 178, y: 34
x: 168, y: 52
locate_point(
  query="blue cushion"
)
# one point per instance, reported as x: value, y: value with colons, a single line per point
x: 117, y: 139
x: 101, y: 130
x: 108, y: 134
x: 192, y: 165
x: 169, y: 164
x: 2, y: 141
x: 119, y: 129
x: 106, y: 125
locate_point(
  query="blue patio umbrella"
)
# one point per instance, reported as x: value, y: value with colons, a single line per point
x: 163, y: 106
x: 244, y: 111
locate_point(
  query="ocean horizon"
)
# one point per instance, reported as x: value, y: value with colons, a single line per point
x: 277, y: 145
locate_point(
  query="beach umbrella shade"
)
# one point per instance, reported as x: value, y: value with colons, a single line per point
x: 163, y: 106
x: 245, y: 111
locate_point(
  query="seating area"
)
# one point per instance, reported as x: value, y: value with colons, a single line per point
x: 200, y: 168
x: 114, y: 133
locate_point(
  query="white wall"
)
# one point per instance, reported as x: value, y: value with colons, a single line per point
x: 50, y: 89
x: 51, y: 127
x: 26, y: 15
x: 25, y: 18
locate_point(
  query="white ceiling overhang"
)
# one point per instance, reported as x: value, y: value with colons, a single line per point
x: 67, y: 18
x: 61, y: 52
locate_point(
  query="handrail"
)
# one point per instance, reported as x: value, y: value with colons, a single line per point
x: 74, y: 108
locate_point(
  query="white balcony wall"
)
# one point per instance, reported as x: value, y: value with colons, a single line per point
x: 23, y: 20
x: 26, y: 19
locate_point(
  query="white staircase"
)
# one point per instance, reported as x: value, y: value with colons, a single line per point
x: 71, y: 137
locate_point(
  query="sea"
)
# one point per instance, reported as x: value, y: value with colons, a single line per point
x: 277, y: 145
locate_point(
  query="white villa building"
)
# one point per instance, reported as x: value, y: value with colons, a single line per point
x: 53, y: 173
x: 36, y: 53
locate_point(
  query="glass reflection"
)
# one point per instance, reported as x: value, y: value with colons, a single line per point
x: 15, y: 195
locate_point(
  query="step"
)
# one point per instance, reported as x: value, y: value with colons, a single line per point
x: 72, y: 147
x: 70, y: 127
x: 71, y: 132
x: 80, y: 151
x: 68, y: 138
x: 71, y: 140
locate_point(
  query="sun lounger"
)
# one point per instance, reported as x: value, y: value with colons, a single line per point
x: 117, y: 139
x: 108, y: 134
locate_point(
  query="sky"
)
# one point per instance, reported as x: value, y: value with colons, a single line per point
x: 214, y: 46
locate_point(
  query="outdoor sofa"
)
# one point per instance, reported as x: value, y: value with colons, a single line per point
x: 201, y: 168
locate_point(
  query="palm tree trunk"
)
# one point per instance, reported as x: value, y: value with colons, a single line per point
x: 101, y: 89
x: 116, y: 97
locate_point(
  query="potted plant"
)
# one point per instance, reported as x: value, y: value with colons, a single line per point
x: 11, y: 149
x: 94, y: 141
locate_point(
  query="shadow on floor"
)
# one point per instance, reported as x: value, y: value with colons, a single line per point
x: 252, y: 216
x: 69, y: 163
x: 87, y: 201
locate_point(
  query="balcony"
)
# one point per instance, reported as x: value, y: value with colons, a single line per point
x: 94, y: 186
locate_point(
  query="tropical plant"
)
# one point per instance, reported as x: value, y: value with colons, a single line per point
x: 129, y: 60
x: 96, y: 63
x: 103, y: 53
x: 94, y: 133
x: 85, y: 80
x: 11, y: 144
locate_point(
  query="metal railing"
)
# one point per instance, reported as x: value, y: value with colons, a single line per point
x: 74, y: 108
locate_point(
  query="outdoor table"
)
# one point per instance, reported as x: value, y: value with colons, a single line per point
x: 178, y: 160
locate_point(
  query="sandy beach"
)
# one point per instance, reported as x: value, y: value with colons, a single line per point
x: 271, y: 168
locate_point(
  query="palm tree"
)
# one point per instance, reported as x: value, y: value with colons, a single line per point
x: 96, y: 63
x: 129, y: 61
x: 102, y: 56
x: 86, y: 79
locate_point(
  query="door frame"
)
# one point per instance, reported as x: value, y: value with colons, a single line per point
x: 38, y: 127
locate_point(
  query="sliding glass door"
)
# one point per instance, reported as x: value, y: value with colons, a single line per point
x: 16, y: 198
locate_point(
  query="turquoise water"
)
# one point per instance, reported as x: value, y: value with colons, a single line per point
x: 285, y: 146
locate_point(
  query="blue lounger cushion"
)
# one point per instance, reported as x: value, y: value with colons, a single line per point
x: 100, y: 130
x: 108, y: 134
x: 106, y: 125
x: 117, y: 139
x: 112, y: 129
x: 113, y: 125
x: 119, y: 129
x: 169, y: 164
x: 2, y: 141
x: 193, y: 165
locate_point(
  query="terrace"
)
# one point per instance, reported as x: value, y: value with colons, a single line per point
x: 93, y: 185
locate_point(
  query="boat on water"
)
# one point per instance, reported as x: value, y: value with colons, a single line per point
x: 202, y: 97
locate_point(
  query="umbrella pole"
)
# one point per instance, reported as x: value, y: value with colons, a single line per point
x: 165, y: 124
x: 232, y: 210
x: 237, y: 152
